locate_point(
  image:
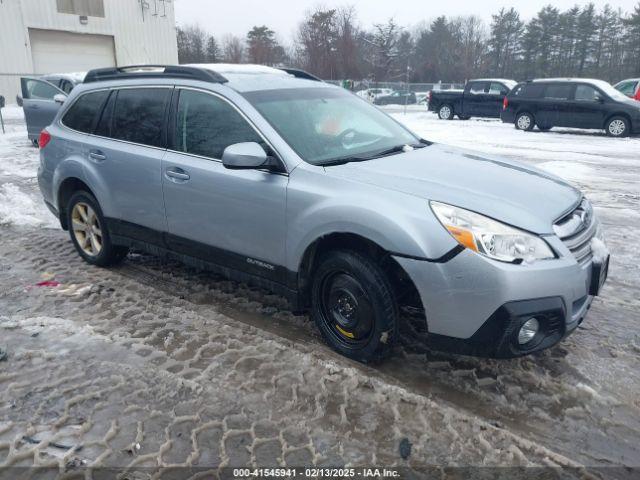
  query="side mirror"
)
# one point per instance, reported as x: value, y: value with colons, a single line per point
x: 59, y: 98
x: 247, y: 155
x: 19, y: 100
x: 599, y: 99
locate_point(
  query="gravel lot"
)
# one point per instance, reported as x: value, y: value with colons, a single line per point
x: 162, y: 371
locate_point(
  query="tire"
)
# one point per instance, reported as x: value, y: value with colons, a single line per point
x: 445, y: 112
x: 544, y: 128
x: 85, y: 215
x: 618, y: 127
x: 525, y: 121
x: 353, y: 305
x: 464, y: 117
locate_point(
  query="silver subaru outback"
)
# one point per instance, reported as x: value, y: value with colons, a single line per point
x: 277, y: 179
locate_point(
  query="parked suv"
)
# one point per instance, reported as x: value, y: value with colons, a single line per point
x: 578, y: 103
x: 306, y: 189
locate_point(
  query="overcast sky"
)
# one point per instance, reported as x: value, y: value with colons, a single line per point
x: 220, y: 17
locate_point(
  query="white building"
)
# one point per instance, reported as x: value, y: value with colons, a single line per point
x: 38, y: 37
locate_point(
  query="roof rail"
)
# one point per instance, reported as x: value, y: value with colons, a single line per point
x: 153, y: 71
x: 298, y: 73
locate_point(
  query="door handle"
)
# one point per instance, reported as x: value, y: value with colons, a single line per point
x: 177, y: 174
x: 97, y: 155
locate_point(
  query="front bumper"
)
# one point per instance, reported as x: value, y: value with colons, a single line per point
x: 474, y: 305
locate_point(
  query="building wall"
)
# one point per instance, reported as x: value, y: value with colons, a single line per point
x: 140, y: 37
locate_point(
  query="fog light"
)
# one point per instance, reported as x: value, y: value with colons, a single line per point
x: 528, y: 331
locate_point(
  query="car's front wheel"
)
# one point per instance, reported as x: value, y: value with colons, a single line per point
x: 617, y: 127
x: 89, y: 232
x: 525, y: 121
x: 353, y: 305
x: 445, y: 112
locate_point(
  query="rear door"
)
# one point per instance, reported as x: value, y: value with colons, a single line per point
x: 552, y: 109
x: 126, y: 153
x: 234, y: 218
x: 38, y: 104
x: 475, y: 96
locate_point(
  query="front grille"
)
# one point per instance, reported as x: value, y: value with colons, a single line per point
x: 577, y: 229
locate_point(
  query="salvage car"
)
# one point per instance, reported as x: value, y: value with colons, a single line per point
x: 629, y: 87
x: 300, y: 187
x: 480, y: 98
x: 571, y: 102
x: 42, y: 97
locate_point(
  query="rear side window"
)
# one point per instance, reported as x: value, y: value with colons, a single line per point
x: 138, y: 115
x: 206, y: 125
x: 82, y: 114
x: 560, y: 91
x: 529, y: 90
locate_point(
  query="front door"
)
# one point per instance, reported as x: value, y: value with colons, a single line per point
x: 234, y: 218
x: 588, y: 107
x: 38, y: 104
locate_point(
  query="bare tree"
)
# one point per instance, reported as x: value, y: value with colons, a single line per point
x: 232, y: 49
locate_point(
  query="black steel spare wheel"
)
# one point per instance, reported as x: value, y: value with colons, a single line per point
x: 346, y: 309
x: 353, y: 305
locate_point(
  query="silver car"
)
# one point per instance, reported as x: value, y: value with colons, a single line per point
x: 274, y: 178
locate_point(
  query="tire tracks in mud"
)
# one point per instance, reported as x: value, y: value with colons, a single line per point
x: 167, y: 313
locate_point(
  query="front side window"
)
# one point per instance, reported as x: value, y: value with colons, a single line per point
x: 586, y: 93
x: 139, y: 114
x: 558, y: 91
x: 82, y: 114
x: 206, y: 125
x: 39, y: 90
x: 328, y: 124
x: 498, y: 89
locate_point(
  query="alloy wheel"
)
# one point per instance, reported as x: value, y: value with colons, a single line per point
x: 524, y: 122
x: 445, y: 112
x: 617, y: 127
x: 86, y: 229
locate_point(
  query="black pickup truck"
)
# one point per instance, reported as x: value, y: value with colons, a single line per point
x: 480, y: 98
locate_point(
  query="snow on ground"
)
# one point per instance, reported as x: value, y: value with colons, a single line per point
x: 20, y: 200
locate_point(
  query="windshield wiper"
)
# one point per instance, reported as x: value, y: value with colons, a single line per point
x: 383, y: 153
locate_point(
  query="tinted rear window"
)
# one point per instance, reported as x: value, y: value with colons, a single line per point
x: 82, y: 114
x: 139, y: 115
x: 560, y: 91
x: 529, y: 90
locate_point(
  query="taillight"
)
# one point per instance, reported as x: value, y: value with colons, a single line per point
x: 637, y: 97
x: 505, y: 103
x: 45, y: 137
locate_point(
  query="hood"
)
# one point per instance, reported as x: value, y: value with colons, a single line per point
x: 519, y: 195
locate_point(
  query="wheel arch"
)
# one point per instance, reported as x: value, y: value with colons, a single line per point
x: 405, y: 290
x: 67, y: 188
x: 625, y: 115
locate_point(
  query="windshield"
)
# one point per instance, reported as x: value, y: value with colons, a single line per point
x: 324, y: 125
x: 609, y: 90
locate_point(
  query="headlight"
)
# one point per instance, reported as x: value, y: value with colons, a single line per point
x: 490, y: 237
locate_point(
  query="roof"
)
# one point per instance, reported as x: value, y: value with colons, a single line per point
x: 251, y: 77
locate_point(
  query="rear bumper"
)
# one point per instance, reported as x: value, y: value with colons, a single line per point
x: 476, y: 306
